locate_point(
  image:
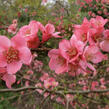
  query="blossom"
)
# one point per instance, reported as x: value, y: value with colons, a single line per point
x: 71, y: 50
x: 48, y: 32
x: 92, y: 53
x: 29, y: 32
x: 13, y: 53
x: 95, y: 35
x: 98, y: 22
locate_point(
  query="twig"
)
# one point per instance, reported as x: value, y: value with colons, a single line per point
x: 56, y: 92
x: 41, y: 104
x: 41, y: 49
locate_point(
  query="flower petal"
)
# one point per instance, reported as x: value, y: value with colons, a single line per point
x: 105, y: 45
x: 18, y: 41
x: 25, y: 55
x: 50, y: 28
x: 13, y: 67
x: 4, y: 43
x: 9, y: 79
x: 53, y: 53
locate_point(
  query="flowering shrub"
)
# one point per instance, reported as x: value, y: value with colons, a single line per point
x: 77, y: 71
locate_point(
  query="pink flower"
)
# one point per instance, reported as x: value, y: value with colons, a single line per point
x: 105, y: 44
x: 95, y: 35
x: 71, y: 50
x: 13, y: 53
x: 98, y: 22
x: 29, y: 32
x: 92, y: 53
x: 48, y: 32
x: 57, y: 62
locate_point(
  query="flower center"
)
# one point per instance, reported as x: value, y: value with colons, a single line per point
x: 11, y: 55
x: 98, y: 23
x: 96, y: 37
x: 61, y: 60
x: 28, y: 32
x: 72, y: 52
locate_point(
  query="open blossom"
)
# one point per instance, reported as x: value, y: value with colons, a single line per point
x: 98, y: 22
x: 48, y: 32
x: 92, y: 53
x: 81, y: 31
x: 13, y: 53
x: 8, y: 78
x: 105, y: 43
x: 95, y: 35
x: 57, y: 62
x: 29, y: 32
x: 71, y: 50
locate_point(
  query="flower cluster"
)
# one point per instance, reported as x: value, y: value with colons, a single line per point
x: 30, y: 33
x: 15, y: 52
x: 84, y: 49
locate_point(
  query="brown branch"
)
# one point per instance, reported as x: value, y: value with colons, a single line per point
x: 41, y: 49
x: 56, y: 92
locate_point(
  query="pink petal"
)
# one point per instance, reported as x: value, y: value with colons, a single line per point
x: 56, y: 35
x: 25, y: 55
x: 13, y: 67
x: 53, y: 52
x: 18, y: 41
x: 4, y: 43
x: 9, y: 79
x: 50, y: 28
x: 53, y: 63
x: 64, y: 45
x: 3, y: 62
x: 98, y: 58
x: 105, y: 45
x: 2, y: 69
x: 61, y: 69
x: 34, y: 27
x: 41, y: 27
x: 57, y: 66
